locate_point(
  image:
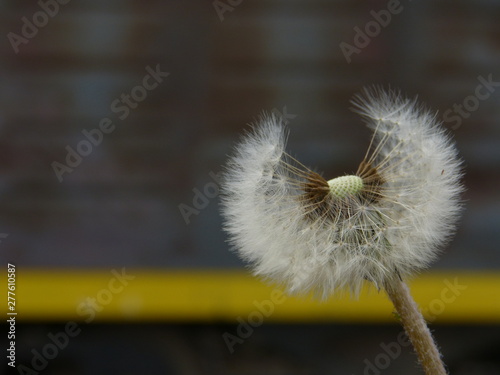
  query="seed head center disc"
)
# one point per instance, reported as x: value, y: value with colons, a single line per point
x: 341, y: 187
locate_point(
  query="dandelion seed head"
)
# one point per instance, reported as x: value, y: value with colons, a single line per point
x: 389, y: 219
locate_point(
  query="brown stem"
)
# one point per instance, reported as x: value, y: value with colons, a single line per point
x: 415, y: 327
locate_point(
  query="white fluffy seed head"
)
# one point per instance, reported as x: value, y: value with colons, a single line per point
x: 388, y: 220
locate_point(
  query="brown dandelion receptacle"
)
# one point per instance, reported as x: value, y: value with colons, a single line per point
x: 372, y: 181
x: 316, y: 200
x: 327, y: 199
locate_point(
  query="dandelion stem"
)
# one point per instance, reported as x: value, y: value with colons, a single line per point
x: 415, y: 327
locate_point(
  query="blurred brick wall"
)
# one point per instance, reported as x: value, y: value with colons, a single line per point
x: 120, y: 206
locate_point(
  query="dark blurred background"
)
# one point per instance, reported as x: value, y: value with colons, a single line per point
x: 143, y: 195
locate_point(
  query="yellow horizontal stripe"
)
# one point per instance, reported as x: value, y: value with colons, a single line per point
x: 222, y: 295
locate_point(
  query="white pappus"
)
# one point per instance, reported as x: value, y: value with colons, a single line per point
x: 387, y: 220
